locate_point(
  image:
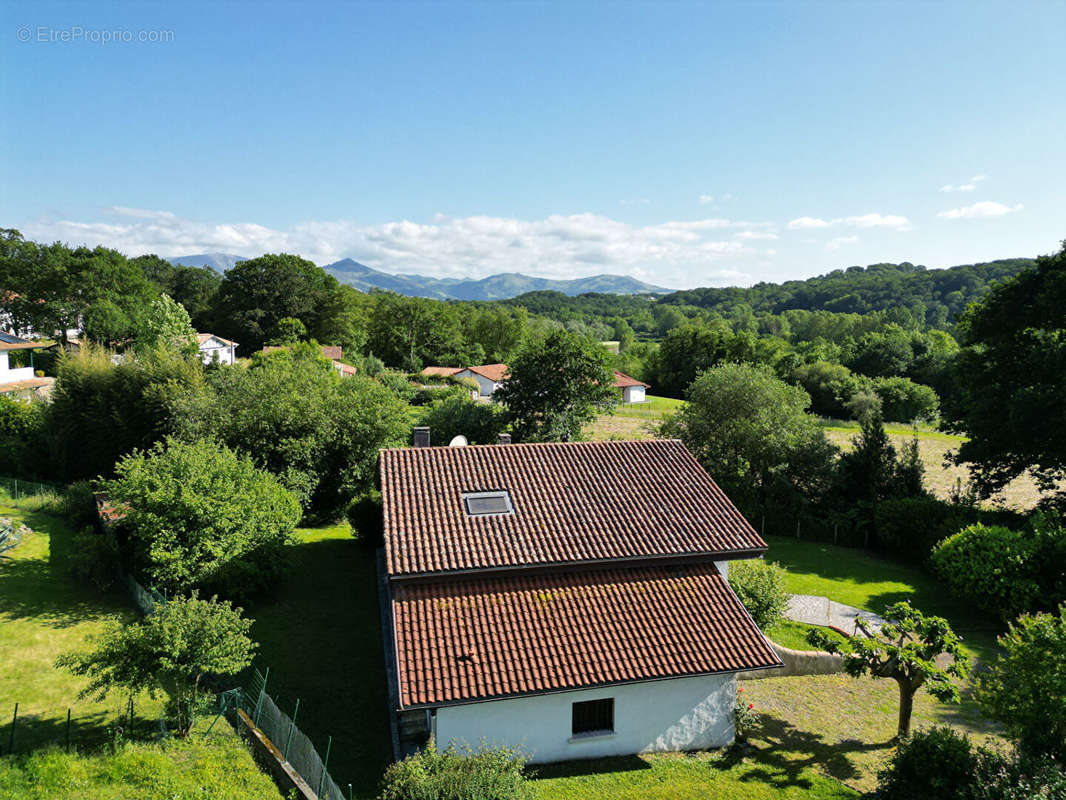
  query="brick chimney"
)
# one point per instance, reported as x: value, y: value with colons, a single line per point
x: 421, y: 436
x: 505, y: 438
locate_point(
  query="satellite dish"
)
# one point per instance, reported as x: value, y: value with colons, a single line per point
x: 458, y: 441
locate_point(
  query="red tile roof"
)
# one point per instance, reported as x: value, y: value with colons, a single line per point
x: 202, y: 338
x: 621, y: 381
x: 464, y: 640
x: 441, y: 370
x: 582, y: 501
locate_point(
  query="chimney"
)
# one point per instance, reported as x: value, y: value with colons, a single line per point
x: 505, y: 438
x: 421, y: 436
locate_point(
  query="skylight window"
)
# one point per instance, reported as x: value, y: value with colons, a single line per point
x: 484, y: 504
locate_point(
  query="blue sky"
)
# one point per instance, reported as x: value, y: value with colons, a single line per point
x: 685, y: 143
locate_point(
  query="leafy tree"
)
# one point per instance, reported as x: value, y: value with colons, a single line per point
x: 200, y: 516
x: 871, y: 471
x: 1011, y: 376
x: 903, y: 400
x: 175, y: 649
x: 1025, y: 688
x: 293, y: 415
x: 830, y: 386
x: 905, y: 649
x: 752, y: 433
x: 288, y: 330
x: 760, y: 585
x: 165, y: 323
x: 411, y: 332
x: 194, y: 287
x: 556, y: 385
x: 456, y: 414
x: 256, y: 294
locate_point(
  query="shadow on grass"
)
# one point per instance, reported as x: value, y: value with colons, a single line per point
x: 591, y: 766
x: 782, y: 752
x: 88, y: 731
x: 321, y: 637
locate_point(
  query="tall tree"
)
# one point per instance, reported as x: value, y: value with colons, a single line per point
x: 1011, y: 375
x: 557, y: 385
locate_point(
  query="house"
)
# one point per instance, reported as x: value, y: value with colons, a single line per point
x: 567, y: 599
x: 216, y: 350
x: 633, y: 391
x: 335, y: 353
x: 20, y: 381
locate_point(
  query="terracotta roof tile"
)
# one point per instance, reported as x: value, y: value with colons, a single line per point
x: 621, y: 381
x: 583, y: 501
x: 461, y: 640
x: 445, y: 371
x: 492, y: 372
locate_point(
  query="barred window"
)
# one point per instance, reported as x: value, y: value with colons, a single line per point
x: 593, y: 716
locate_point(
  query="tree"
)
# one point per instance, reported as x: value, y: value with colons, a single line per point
x: 174, y: 648
x: 480, y: 423
x: 760, y: 586
x: 200, y: 516
x: 165, y: 323
x: 752, y: 433
x: 1011, y: 376
x: 556, y: 385
x: 292, y: 414
x: 411, y: 332
x: 256, y: 294
x: 194, y: 287
x: 288, y: 330
x: 905, y: 649
x: 1025, y: 688
x: 871, y: 471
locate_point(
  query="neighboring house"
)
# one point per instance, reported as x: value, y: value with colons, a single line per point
x: 633, y: 391
x: 566, y: 599
x: 333, y: 352
x: 215, y: 349
x: 20, y: 381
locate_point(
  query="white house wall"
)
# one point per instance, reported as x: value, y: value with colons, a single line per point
x: 485, y: 386
x: 633, y: 394
x: 655, y: 716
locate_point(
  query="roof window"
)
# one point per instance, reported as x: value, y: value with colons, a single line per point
x: 484, y: 504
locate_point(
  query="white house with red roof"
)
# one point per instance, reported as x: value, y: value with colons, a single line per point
x: 566, y: 599
x: 491, y: 376
x: 216, y: 350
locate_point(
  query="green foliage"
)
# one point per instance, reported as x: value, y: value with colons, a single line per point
x: 905, y: 649
x: 100, y: 411
x: 872, y: 472
x: 1025, y: 688
x: 288, y: 330
x: 556, y: 385
x: 22, y: 428
x: 989, y: 566
x: 165, y: 323
x: 1011, y: 377
x: 411, y: 332
x: 760, y: 585
x: 293, y: 415
x: 194, y: 287
x: 201, y: 516
x: 364, y: 517
x: 910, y: 527
x: 480, y: 423
x: 903, y: 400
x: 432, y: 774
x: 175, y: 648
x: 934, y: 764
x: 752, y: 433
x: 745, y: 717
x: 95, y: 558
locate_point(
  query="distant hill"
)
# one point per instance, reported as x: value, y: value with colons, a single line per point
x: 217, y: 261
x: 494, y: 287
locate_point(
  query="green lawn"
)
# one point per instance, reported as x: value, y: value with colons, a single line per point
x: 321, y: 637
x: 793, y: 635
x: 652, y: 407
x: 44, y: 612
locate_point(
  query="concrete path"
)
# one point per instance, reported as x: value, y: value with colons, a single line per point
x: 815, y: 610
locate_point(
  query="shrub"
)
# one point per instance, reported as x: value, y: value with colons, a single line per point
x: 200, y: 516
x: 910, y: 527
x: 486, y: 774
x: 95, y: 558
x: 481, y: 423
x: 1025, y: 688
x: 988, y: 565
x: 364, y: 515
x: 903, y: 400
x: 933, y: 764
x: 760, y: 585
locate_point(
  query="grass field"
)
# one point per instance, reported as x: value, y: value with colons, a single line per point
x: 321, y: 637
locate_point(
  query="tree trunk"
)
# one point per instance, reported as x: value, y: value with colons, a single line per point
x: 906, y: 706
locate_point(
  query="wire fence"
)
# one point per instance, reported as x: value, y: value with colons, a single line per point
x: 29, y: 492
x: 294, y: 744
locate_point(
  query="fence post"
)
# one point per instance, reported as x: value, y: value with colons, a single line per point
x: 834, y: 533
x: 797, y: 529
x: 68, y: 730
x: 292, y: 728
x: 262, y: 693
x: 11, y: 738
x: 325, y: 765
x: 16, y: 492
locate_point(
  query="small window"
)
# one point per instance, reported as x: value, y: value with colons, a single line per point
x: 594, y: 716
x: 480, y: 504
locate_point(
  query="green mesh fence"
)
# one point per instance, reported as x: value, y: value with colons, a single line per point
x: 30, y: 492
x: 294, y: 745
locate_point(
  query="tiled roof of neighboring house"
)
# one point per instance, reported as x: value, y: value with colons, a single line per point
x: 621, y: 381
x: 472, y: 639
x: 10, y: 338
x: 345, y: 369
x: 203, y: 338
x: 18, y: 344
x: 445, y: 371
x: 29, y: 383
x: 493, y: 372
x: 109, y: 514
x: 580, y: 501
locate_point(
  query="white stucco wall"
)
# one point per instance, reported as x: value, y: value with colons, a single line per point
x: 226, y: 354
x: 485, y: 386
x: 657, y: 716
x: 9, y: 375
x: 633, y: 394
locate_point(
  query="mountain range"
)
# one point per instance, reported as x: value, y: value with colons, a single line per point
x: 494, y: 287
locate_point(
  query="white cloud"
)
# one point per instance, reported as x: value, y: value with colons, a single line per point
x: 893, y: 221
x: 754, y: 235
x: 968, y: 186
x: 672, y: 253
x: 982, y: 210
x: 840, y: 241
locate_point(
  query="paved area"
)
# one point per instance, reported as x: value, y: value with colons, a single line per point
x: 815, y: 610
